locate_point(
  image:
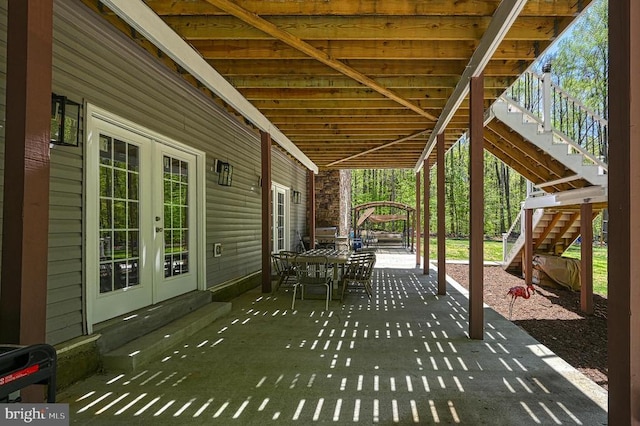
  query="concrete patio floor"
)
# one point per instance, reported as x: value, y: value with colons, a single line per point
x: 404, y: 358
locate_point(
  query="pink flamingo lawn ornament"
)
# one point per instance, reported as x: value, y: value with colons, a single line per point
x: 519, y: 291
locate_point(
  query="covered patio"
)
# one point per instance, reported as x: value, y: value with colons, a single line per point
x: 212, y: 81
x: 403, y: 358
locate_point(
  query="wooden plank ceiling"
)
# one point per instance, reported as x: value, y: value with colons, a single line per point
x: 352, y: 83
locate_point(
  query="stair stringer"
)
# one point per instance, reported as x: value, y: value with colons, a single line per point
x: 569, y: 155
x: 566, y: 229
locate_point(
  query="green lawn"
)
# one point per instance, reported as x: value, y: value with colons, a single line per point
x: 599, y: 267
x: 458, y: 249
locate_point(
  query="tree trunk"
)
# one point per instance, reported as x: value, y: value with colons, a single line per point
x: 501, y: 185
x: 451, y: 200
x: 507, y: 192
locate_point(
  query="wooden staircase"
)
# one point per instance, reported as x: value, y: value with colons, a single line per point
x: 564, y: 172
x: 554, y: 230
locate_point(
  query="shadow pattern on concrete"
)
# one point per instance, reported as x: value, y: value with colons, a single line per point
x: 403, y: 358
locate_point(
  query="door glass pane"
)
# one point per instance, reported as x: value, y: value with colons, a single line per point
x: 120, y: 154
x: 105, y: 150
x: 280, y: 220
x: 120, y: 184
x: 132, y: 161
x: 119, y: 218
x: 133, y: 186
x: 106, y: 178
x: 176, y: 225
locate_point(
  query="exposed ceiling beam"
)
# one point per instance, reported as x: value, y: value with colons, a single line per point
x: 502, y: 20
x: 306, y: 48
x: 363, y: 8
x: 339, y: 52
x: 145, y: 21
x: 373, y: 68
x: 374, y: 27
x: 386, y: 145
x: 342, y: 82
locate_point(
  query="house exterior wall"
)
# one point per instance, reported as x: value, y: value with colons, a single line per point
x: 287, y: 172
x: 94, y: 63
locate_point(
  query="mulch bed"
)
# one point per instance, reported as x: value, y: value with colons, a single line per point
x: 551, y: 316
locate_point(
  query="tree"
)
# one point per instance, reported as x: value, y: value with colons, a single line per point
x: 580, y: 62
x: 580, y: 65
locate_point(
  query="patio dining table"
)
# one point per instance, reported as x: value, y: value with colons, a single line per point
x: 337, y: 257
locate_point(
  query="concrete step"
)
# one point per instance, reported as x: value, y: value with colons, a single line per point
x: 118, y: 331
x: 142, y: 350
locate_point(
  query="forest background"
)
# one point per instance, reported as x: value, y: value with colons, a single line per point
x: 579, y: 63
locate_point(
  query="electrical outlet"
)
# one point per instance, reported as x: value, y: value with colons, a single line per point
x: 217, y: 250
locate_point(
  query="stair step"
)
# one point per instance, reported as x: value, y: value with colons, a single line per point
x: 125, y: 328
x: 140, y: 351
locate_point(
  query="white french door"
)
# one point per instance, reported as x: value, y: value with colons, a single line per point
x: 174, y: 223
x: 280, y: 197
x: 142, y: 222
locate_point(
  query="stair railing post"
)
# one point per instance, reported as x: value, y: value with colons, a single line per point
x: 546, y: 98
x: 505, y: 235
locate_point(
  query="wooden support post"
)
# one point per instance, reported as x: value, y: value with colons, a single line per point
x: 527, y: 261
x: 407, y: 227
x: 267, y: 211
x: 442, y: 274
x: 25, y: 236
x: 26, y: 173
x: 586, y: 259
x: 476, y: 225
x: 312, y: 209
x: 624, y: 204
x: 418, y: 217
x: 413, y: 224
x: 427, y: 218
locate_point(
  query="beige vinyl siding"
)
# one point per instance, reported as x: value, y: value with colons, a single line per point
x: 64, y: 283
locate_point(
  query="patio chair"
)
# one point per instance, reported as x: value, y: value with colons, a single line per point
x: 358, y: 271
x: 284, y: 267
x: 312, y: 271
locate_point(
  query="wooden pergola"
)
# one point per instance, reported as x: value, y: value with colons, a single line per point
x: 368, y: 212
x: 338, y: 84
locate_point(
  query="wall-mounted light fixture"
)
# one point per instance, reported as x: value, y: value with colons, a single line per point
x: 225, y: 172
x: 295, y: 196
x: 65, y: 121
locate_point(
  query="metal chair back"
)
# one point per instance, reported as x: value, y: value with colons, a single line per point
x: 359, y: 270
x: 312, y: 271
x: 284, y: 266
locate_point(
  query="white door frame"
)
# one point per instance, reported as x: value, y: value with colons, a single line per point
x: 91, y: 215
x: 275, y: 187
